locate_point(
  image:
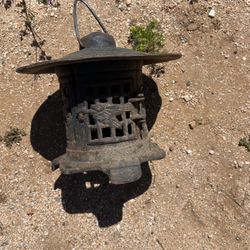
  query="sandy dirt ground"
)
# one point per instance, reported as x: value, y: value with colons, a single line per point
x: 198, y: 197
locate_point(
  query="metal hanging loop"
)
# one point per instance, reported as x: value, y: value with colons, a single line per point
x: 76, y: 21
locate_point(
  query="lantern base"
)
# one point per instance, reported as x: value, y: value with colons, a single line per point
x: 120, y: 163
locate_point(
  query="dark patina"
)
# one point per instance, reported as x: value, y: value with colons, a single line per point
x: 103, y: 104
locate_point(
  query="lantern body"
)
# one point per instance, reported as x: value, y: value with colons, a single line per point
x: 103, y: 103
x: 105, y: 120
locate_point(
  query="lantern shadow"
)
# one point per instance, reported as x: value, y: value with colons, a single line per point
x: 102, y: 199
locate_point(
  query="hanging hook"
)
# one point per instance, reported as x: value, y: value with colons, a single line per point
x: 76, y: 22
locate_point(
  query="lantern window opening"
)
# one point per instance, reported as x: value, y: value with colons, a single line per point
x: 127, y: 113
x: 116, y: 100
x: 91, y: 120
x: 94, y: 135
x: 119, y: 117
x: 115, y: 89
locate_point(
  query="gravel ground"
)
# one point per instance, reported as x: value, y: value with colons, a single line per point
x: 198, y: 197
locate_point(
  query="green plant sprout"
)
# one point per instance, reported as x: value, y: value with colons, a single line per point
x: 14, y: 135
x: 245, y: 142
x: 146, y: 39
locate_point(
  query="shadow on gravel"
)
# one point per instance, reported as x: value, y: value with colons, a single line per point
x: 48, y: 135
x: 102, y: 199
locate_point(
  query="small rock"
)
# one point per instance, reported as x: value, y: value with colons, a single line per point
x: 187, y: 98
x: 244, y: 58
x: 240, y: 164
x: 177, y: 185
x: 97, y: 185
x: 171, y: 99
x: 188, y: 83
x: 237, y: 238
x: 171, y: 148
x: 5, y: 243
x: 192, y: 124
x: 183, y: 39
x: 30, y: 212
x: 189, y: 151
x: 52, y: 14
x: 31, y: 156
x: 211, y: 152
x: 192, y: 27
x: 172, y: 6
x: 65, y: 223
x: 128, y: 2
x: 88, y: 185
x: 210, y: 236
x: 1, y: 228
x: 121, y: 7
x: 211, y: 13
x: 235, y: 164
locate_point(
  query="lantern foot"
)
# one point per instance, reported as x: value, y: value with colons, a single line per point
x: 119, y: 167
x: 126, y: 174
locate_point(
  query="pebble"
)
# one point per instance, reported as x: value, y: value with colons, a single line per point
x: 184, y: 39
x: 97, y: 185
x: 172, y: 6
x: 240, y: 164
x: 237, y: 238
x: 211, y: 13
x: 189, y: 151
x: 121, y: 7
x: 128, y: 2
x: 210, y: 236
x: 52, y: 14
x: 187, y: 98
x: 192, y: 27
x: 5, y: 243
x: 192, y: 124
x: 30, y: 212
x: 88, y: 185
x: 188, y: 83
x: 211, y: 152
x: 171, y: 99
x: 1, y: 228
x: 171, y: 148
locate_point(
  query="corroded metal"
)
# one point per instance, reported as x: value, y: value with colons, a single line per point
x: 103, y: 104
x: 105, y: 120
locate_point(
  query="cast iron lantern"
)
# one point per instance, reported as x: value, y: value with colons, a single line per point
x: 103, y: 104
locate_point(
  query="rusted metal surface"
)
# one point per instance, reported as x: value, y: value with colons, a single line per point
x: 105, y: 120
x: 103, y: 104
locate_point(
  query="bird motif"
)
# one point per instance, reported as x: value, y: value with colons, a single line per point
x: 106, y: 113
